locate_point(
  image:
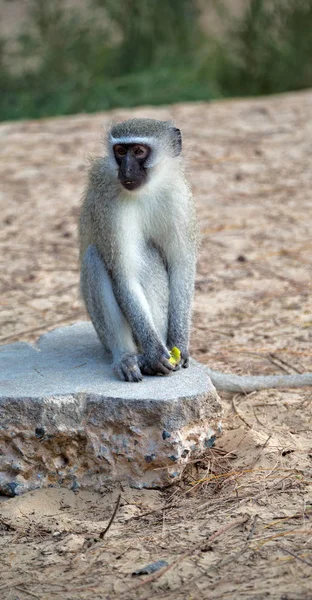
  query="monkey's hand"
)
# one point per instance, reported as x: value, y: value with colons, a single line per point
x: 156, y: 361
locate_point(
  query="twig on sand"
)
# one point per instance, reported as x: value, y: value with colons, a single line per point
x: 303, y: 560
x: 262, y: 448
x: 104, y: 532
x: 276, y: 359
x: 238, y: 413
x: 41, y: 327
x: 21, y: 589
x: 252, y: 528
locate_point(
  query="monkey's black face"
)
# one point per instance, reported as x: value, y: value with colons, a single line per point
x: 131, y: 159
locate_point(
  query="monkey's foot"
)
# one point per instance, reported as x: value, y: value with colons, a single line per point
x: 127, y: 368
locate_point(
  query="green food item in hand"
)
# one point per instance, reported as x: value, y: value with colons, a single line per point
x: 175, y: 356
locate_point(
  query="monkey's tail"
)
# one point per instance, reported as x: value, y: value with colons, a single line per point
x: 227, y: 382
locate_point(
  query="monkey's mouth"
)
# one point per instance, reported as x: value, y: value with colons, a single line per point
x: 131, y: 184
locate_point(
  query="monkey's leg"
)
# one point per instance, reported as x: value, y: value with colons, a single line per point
x: 134, y: 301
x: 108, y: 320
x: 155, y: 286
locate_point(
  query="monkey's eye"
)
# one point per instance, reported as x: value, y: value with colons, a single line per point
x: 120, y: 150
x: 140, y: 151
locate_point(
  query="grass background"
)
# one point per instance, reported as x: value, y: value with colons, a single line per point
x: 112, y: 53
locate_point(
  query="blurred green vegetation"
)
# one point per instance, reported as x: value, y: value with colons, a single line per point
x: 268, y: 50
x: 130, y: 52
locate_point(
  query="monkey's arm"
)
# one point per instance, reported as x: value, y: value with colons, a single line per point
x: 181, y: 285
x: 132, y: 301
x: 248, y: 383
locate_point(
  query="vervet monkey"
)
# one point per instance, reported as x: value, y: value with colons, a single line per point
x: 138, y: 246
x: 138, y: 239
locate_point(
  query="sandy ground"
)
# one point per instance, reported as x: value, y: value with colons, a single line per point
x: 239, y: 524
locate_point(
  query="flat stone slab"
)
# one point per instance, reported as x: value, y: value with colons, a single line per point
x: 66, y: 420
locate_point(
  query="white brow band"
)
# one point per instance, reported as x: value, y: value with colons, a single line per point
x: 124, y: 139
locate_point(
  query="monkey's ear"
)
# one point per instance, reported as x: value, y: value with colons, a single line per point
x: 177, y: 141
